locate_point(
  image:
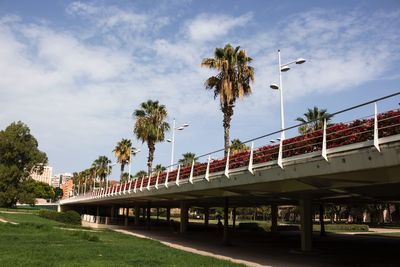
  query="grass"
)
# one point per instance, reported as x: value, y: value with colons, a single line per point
x: 40, y: 242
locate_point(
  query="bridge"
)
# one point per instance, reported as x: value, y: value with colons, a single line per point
x: 353, y: 161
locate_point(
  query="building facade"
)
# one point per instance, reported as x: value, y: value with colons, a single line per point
x: 44, y: 177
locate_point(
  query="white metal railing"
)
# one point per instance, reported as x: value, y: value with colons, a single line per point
x: 374, y: 128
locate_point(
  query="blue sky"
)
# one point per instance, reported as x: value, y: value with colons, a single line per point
x: 75, y: 71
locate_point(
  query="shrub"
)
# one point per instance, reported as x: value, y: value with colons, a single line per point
x: 68, y: 217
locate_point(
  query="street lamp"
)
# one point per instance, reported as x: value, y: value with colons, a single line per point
x: 180, y: 128
x: 133, y: 151
x: 284, y: 68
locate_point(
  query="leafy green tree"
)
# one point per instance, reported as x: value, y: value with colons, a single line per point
x: 19, y: 157
x: 232, y: 81
x: 58, y: 194
x: 187, y: 159
x: 122, y: 152
x: 150, y: 126
x: 314, y: 119
x: 237, y: 146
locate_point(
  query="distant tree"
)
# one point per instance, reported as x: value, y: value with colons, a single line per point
x: 187, y: 159
x: 123, y: 153
x: 159, y: 168
x: 231, y: 82
x: 125, y: 177
x: 58, y: 194
x: 102, y: 168
x: 314, y: 119
x: 237, y: 146
x: 19, y: 157
x: 150, y: 126
x: 140, y: 174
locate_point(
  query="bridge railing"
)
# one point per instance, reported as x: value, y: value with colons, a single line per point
x: 318, y: 137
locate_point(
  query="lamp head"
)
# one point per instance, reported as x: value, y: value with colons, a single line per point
x: 169, y: 140
x: 274, y: 86
x: 181, y: 128
x: 285, y: 68
x: 185, y: 125
x: 300, y: 60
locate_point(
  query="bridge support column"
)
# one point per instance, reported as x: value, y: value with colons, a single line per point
x: 233, y: 218
x: 274, y: 218
x: 321, y: 219
x: 168, y: 211
x: 184, y: 217
x: 126, y: 216
x: 98, y: 214
x: 148, y: 217
x: 306, y: 224
x: 206, y: 216
x: 137, y: 215
x: 225, y: 240
x: 158, y: 214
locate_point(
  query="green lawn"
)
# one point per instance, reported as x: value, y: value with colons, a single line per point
x: 40, y: 242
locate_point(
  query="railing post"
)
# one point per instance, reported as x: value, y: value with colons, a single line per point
x: 166, y: 179
x: 177, y: 175
x: 120, y: 189
x: 148, y: 182
x: 376, y: 132
x: 130, y: 186
x: 191, y: 173
x: 158, y: 176
x: 251, y: 159
x: 324, y: 153
x: 207, y: 177
x: 227, y: 164
x: 280, y: 153
x: 126, y: 184
x: 141, y: 184
x: 134, y: 189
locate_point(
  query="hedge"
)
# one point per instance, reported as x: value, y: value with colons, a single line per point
x: 68, y: 217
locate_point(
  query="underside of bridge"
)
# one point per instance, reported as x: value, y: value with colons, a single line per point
x: 359, y: 175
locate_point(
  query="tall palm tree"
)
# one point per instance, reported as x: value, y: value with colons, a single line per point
x: 187, y: 159
x: 140, y: 174
x: 232, y: 81
x: 122, y: 152
x: 237, y: 146
x: 314, y: 119
x: 150, y: 126
x: 102, y: 168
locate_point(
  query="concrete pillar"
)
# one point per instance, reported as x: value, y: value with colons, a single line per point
x: 126, y: 216
x: 206, y: 216
x: 137, y: 215
x: 158, y: 214
x: 148, y: 217
x: 98, y: 214
x: 168, y: 215
x: 306, y: 224
x: 144, y: 213
x: 225, y: 240
x: 184, y: 217
x: 321, y: 219
x: 112, y: 212
x: 233, y: 218
x: 274, y: 218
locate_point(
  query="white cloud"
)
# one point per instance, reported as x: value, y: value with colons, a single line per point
x: 206, y: 27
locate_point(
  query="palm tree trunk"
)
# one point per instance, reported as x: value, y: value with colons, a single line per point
x: 152, y: 148
x: 228, y: 112
x: 122, y: 171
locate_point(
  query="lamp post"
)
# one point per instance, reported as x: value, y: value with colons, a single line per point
x: 180, y: 128
x: 283, y: 68
x: 133, y: 151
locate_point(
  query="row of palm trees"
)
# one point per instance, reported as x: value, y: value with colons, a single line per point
x: 232, y: 81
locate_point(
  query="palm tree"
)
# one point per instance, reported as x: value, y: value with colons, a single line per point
x: 314, y: 119
x: 159, y: 168
x: 237, y: 146
x: 150, y: 126
x: 187, y: 159
x: 102, y: 168
x: 124, y: 178
x: 123, y: 153
x: 232, y: 81
x: 140, y: 174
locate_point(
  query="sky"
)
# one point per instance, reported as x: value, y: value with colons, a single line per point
x: 74, y: 71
